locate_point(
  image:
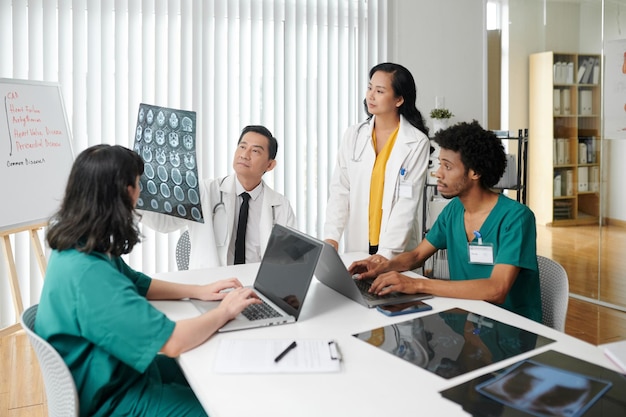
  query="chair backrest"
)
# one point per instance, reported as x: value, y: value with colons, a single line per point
x: 60, y: 388
x: 554, y: 292
x: 183, y: 247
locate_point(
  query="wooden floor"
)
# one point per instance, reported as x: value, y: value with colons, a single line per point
x: 576, y: 248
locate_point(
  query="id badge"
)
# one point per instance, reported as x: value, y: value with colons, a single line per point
x: 480, y: 253
x: 405, y: 189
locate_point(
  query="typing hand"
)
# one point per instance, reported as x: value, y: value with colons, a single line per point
x: 393, y: 281
x: 236, y: 300
x: 218, y: 290
x: 369, y: 268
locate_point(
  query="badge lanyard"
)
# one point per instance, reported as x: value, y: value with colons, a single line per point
x: 479, y: 252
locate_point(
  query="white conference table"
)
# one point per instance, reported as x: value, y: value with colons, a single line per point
x: 372, y: 382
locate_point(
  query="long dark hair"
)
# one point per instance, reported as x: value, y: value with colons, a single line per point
x: 97, y: 212
x: 403, y: 85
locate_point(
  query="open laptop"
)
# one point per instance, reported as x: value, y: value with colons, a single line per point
x: 332, y: 272
x: 282, y: 281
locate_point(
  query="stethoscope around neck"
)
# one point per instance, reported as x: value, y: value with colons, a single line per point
x: 360, y: 149
x: 220, y: 223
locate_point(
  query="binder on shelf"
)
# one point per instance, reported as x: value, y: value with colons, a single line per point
x: 566, y: 102
x: 582, y: 153
x: 569, y: 73
x: 560, y: 151
x: 561, y: 70
x: 583, y: 179
x: 586, y: 107
x: 557, y: 101
x: 596, y: 71
x: 590, y: 148
x: 588, y: 70
x: 594, y: 182
x: 569, y: 183
x: 557, y: 72
x: 557, y: 185
x: 581, y: 71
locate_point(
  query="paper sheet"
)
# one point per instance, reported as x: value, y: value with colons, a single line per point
x: 257, y: 356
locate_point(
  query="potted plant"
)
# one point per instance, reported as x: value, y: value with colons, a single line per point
x: 441, y: 114
x: 440, y: 117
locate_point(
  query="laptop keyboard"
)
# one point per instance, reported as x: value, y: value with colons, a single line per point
x: 364, y: 286
x: 260, y: 311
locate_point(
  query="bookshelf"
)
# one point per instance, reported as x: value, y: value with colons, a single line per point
x: 564, y: 139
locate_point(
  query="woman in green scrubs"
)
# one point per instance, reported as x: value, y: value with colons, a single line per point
x: 94, y: 308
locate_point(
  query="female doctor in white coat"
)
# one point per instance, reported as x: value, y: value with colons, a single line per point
x: 212, y: 242
x: 376, y: 190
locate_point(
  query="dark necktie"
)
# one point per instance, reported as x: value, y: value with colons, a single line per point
x: 240, y: 242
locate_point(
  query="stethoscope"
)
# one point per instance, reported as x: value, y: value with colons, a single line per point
x: 356, y: 158
x: 220, y: 225
x: 221, y: 202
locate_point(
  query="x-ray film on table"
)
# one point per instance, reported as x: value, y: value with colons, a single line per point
x: 548, y: 384
x: 453, y: 342
x: 166, y: 140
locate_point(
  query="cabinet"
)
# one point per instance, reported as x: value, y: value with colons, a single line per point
x: 564, y: 140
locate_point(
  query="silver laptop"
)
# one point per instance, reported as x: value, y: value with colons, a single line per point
x: 332, y: 272
x: 282, y: 281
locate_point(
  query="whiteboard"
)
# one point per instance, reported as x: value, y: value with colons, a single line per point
x: 35, y: 152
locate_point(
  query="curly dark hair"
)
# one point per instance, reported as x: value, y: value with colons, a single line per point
x: 480, y: 150
x: 97, y: 212
x: 403, y: 86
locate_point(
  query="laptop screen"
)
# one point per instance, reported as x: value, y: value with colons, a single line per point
x: 287, y: 268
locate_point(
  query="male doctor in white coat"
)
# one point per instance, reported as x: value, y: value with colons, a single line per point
x: 213, y: 242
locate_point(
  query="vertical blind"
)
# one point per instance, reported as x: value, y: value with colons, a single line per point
x: 299, y: 67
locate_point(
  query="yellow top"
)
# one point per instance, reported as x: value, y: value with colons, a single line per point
x: 377, y: 186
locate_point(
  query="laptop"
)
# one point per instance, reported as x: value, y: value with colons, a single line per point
x: 282, y: 281
x: 332, y: 272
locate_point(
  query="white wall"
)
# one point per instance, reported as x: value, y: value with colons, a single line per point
x: 615, y: 150
x: 442, y: 43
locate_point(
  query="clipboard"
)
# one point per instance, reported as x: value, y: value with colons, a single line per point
x: 257, y: 356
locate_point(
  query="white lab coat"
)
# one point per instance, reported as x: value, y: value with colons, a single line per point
x: 210, y: 240
x: 347, y: 211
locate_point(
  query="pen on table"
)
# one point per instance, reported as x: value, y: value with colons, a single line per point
x: 286, y: 351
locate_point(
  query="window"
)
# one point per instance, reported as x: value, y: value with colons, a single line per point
x: 298, y: 67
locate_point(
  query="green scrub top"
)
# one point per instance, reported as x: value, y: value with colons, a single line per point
x: 511, y: 229
x: 94, y: 312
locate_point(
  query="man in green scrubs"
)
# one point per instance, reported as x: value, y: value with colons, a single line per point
x: 491, y: 239
x: 94, y: 308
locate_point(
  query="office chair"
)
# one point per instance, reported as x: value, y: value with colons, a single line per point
x: 183, y: 248
x: 60, y: 388
x: 554, y: 292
